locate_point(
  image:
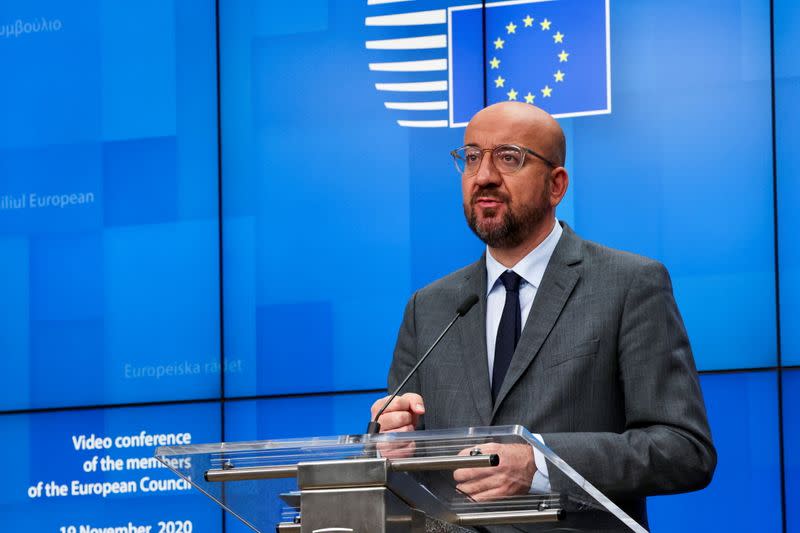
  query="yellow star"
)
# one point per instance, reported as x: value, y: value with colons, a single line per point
x: 499, y: 82
x: 529, y: 98
x: 559, y: 76
x: 545, y: 24
x: 495, y: 63
x: 512, y: 94
x: 558, y: 37
x: 562, y: 57
x: 511, y: 28
x: 528, y: 21
x: 546, y: 91
x: 498, y: 43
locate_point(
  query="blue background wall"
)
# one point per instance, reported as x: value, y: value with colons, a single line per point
x: 238, y: 181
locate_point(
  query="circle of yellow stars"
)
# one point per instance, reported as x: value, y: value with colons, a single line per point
x: 558, y: 76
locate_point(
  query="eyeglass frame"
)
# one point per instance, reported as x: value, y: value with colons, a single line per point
x: 523, y: 149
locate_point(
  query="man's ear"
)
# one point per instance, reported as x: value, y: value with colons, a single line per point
x: 559, y: 182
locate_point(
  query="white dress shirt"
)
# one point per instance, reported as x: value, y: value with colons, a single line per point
x: 531, y: 269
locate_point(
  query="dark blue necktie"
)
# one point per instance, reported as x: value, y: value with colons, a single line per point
x: 508, y: 332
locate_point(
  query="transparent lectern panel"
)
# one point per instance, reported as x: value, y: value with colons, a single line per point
x: 312, y: 482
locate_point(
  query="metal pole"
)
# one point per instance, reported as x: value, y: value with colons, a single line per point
x: 251, y: 472
x: 451, y: 462
x: 410, y: 464
x: 508, y: 517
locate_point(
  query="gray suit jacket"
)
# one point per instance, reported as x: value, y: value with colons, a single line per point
x: 603, y: 370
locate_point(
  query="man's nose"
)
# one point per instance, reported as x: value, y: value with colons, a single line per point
x: 487, y: 173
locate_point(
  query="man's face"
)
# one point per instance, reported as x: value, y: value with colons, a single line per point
x: 505, y: 209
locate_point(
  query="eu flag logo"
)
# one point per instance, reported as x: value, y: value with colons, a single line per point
x: 553, y: 54
x: 438, y: 67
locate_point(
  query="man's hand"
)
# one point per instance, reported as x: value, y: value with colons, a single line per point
x: 402, y: 414
x: 512, y: 476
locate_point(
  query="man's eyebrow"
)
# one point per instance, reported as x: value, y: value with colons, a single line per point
x: 478, y: 146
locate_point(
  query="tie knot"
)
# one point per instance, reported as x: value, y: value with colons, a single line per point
x: 511, y: 280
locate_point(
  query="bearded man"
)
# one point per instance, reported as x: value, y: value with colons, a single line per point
x: 581, y: 344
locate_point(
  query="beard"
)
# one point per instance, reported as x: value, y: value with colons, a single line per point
x: 516, y: 224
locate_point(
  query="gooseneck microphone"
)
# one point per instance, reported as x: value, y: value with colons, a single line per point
x: 374, y: 427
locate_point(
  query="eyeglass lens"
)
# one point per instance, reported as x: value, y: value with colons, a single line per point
x: 505, y: 158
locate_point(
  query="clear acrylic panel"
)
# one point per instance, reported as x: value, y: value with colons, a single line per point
x: 263, y: 483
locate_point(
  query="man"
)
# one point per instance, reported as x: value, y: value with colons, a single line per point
x: 602, y: 369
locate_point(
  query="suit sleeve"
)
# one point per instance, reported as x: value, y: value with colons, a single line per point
x: 666, y: 444
x: 406, y: 355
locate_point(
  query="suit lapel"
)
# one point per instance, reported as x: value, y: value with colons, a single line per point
x: 557, y: 284
x: 472, y: 329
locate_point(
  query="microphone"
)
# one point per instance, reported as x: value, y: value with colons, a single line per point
x: 374, y: 427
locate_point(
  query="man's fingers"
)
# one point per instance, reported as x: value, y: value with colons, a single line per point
x: 396, y: 419
x: 410, y: 401
x: 376, y: 406
x: 400, y: 429
x: 397, y: 450
x: 415, y: 402
x: 397, y: 404
x: 512, y: 476
x: 403, y: 411
x: 463, y: 475
x: 487, y: 448
x: 477, y: 486
x: 489, y: 495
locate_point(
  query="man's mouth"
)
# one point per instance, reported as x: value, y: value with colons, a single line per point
x: 488, y: 201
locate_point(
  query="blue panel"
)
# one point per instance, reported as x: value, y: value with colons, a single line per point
x: 285, y: 338
x: 52, y: 93
x: 791, y: 447
x: 59, y: 350
x: 51, y: 189
x: 140, y: 181
x: 742, y: 411
x: 161, y: 279
x: 66, y: 277
x: 66, y: 318
x: 787, y: 124
x: 138, y: 74
x: 341, y: 414
x: 466, y: 58
x: 15, y: 317
x: 282, y: 18
x: 47, y: 449
x: 195, y: 108
x: 108, y: 202
x: 316, y: 202
x: 673, y: 174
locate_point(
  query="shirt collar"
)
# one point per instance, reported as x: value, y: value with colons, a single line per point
x: 531, y: 267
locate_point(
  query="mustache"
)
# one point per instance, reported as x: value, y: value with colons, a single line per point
x: 488, y: 193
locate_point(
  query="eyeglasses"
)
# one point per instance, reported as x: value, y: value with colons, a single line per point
x: 507, y: 158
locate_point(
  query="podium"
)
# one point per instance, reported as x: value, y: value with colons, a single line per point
x: 388, y: 483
